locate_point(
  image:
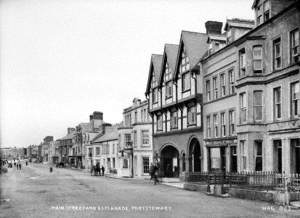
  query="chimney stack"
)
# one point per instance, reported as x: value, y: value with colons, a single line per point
x: 213, y: 27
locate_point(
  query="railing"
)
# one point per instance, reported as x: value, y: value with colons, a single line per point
x: 294, y: 182
x: 257, y: 180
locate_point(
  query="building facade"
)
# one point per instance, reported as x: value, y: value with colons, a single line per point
x: 135, y: 140
x: 174, y: 91
x: 241, y: 85
x: 267, y: 85
x: 104, y: 149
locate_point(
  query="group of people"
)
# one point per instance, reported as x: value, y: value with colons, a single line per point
x: 153, y: 171
x: 97, y: 170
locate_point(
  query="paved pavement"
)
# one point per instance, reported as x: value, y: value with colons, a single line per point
x: 35, y: 192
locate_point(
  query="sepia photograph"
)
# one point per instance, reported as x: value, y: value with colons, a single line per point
x: 149, y: 108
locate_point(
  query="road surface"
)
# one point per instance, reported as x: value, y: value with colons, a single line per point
x: 35, y: 192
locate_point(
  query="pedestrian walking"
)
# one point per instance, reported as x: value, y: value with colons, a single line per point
x: 151, y: 171
x: 103, y: 170
x: 155, y: 174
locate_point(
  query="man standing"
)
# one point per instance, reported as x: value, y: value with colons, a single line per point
x: 103, y: 170
x: 155, y: 174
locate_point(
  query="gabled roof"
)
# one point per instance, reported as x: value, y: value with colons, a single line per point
x: 254, y: 3
x: 170, y: 55
x: 155, y: 66
x: 195, y: 45
x: 111, y: 133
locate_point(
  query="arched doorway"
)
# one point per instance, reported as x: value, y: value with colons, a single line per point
x: 169, y: 161
x: 194, y: 156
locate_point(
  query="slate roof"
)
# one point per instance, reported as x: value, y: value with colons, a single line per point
x: 155, y: 63
x: 195, y: 45
x: 68, y: 136
x: 111, y: 133
x: 170, y: 54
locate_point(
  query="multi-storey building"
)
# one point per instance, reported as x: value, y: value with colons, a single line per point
x: 219, y: 71
x: 267, y: 88
x: 103, y: 149
x: 135, y: 140
x: 249, y: 77
x: 45, y: 148
x: 65, y: 146
x: 54, y: 152
x: 85, y: 133
x: 174, y: 91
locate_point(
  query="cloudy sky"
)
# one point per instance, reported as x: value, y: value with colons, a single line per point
x: 60, y: 60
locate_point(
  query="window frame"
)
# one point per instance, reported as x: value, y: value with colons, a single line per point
x: 216, y: 125
x: 255, y: 107
x: 208, y: 90
x: 231, y: 81
x: 208, y: 126
x: 191, y: 115
x: 294, y: 58
x: 222, y: 84
x: 277, y: 109
x: 173, y: 123
x: 256, y: 58
x: 231, y: 120
x: 242, y: 62
x: 215, y: 88
x: 243, y: 108
x: 159, y: 127
x: 278, y: 56
x: 295, y: 110
x: 223, y: 124
x: 186, y: 86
